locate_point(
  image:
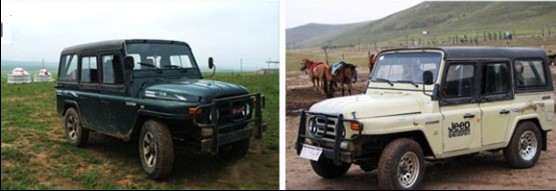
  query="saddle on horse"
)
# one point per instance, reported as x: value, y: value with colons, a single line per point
x: 314, y: 66
x: 336, y: 67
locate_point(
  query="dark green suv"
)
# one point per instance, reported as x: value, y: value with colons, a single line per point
x: 154, y: 90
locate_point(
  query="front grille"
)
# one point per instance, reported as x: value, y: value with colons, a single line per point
x: 233, y: 111
x: 322, y: 127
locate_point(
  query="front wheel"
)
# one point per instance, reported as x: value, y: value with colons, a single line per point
x: 327, y: 169
x: 156, y: 149
x: 401, y: 165
x: 524, y: 149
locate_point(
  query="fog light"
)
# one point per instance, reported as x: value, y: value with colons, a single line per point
x: 206, y: 132
x: 344, y: 145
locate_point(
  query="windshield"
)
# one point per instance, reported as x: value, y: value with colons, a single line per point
x: 405, y: 67
x: 149, y: 56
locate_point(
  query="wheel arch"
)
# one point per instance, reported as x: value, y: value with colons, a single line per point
x: 534, y: 120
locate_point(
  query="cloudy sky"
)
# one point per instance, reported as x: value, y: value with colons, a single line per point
x: 226, y: 30
x: 301, y: 12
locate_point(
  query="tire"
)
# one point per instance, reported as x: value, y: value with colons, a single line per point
x: 234, y: 151
x: 401, y: 156
x: 524, y: 149
x: 327, y: 169
x: 156, y: 149
x: 75, y: 133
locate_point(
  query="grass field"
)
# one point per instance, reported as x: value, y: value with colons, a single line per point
x: 36, y: 155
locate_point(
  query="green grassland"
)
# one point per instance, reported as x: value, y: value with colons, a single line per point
x: 36, y: 155
x: 443, y: 20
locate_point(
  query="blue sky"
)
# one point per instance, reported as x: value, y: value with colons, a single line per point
x: 226, y: 30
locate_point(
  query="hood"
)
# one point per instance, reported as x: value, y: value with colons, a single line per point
x: 369, y: 105
x: 192, y: 90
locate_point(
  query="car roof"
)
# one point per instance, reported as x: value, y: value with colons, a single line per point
x: 111, y: 45
x: 479, y: 52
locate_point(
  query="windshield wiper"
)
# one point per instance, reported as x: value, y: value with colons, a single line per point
x: 172, y: 66
x: 150, y: 65
x: 385, y: 80
x: 409, y: 81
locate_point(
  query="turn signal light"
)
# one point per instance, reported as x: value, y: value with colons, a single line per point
x: 355, y: 126
x: 195, y: 111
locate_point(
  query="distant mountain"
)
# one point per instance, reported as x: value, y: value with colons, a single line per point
x: 439, y: 18
x: 28, y: 65
x: 312, y: 34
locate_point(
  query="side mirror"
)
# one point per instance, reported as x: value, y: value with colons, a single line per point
x: 428, y: 77
x: 427, y: 80
x: 211, y: 65
x: 129, y: 63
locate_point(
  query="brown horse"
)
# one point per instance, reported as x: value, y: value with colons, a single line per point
x: 346, y: 75
x: 318, y: 72
x: 372, y: 61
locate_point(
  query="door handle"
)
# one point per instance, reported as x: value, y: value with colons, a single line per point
x: 504, y: 112
x: 468, y: 115
x: 545, y: 97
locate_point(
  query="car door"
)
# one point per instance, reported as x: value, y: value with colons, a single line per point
x: 496, y: 98
x: 459, y: 107
x: 118, y: 113
x: 88, y: 102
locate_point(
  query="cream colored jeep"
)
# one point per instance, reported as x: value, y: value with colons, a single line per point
x: 433, y: 103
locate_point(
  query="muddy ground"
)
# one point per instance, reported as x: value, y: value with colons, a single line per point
x: 481, y: 171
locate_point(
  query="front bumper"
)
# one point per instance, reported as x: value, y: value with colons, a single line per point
x: 318, y: 136
x: 222, y: 133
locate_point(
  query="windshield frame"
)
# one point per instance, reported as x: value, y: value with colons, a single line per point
x: 375, y: 76
x: 157, y: 61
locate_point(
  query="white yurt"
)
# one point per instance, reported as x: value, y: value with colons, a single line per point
x: 19, y: 76
x: 43, y: 75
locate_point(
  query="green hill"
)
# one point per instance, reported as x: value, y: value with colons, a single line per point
x: 443, y: 20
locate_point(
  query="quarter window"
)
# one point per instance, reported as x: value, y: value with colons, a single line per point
x: 529, y: 73
x: 68, y: 67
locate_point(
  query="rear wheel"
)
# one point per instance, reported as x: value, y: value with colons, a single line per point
x: 75, y: 133
x: 156, y: 149
x: 327, y: 169
x: 401, y: 165
x: 524, y: 149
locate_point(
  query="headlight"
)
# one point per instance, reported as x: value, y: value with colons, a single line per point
x: 246, y: 110
x: 217, y: 115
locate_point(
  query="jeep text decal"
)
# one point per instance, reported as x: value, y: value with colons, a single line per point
x: 459, y: 129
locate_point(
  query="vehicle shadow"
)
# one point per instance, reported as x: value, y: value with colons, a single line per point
x: 191, y: 168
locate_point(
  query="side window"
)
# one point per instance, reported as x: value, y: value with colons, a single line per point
x: 496, y: 78
x: 89, y: 71
x: 459, y: 81
x: 112, y: 72
x: 529, y: 73
x: 68, y: 67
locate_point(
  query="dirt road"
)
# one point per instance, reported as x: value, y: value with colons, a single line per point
x: 481, y: 171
